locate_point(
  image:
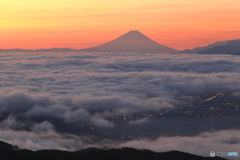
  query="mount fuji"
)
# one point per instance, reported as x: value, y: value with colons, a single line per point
x: 133, y: 41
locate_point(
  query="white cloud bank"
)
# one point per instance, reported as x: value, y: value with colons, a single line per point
x: 58, y: 92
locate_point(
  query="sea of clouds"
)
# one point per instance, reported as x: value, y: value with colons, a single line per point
x: 52, y: 95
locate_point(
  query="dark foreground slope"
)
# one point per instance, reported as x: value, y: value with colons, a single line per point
x: 98, y: 154
x: 6, y: 146
x: 10, y: 152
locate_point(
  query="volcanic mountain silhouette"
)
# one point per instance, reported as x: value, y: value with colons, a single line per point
x: 133, y: 41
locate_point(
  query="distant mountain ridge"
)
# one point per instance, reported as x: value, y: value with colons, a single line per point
x: 133, y: 41
x: 198, y: 49
x: 231, y: 47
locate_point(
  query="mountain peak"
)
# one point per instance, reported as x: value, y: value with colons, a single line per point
x: 134, y: 31
x: 132, y: 41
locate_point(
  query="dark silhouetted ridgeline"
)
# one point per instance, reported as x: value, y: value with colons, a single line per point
x: 9, y: 152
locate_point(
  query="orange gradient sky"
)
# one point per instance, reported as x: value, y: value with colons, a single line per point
x: 181, y: 24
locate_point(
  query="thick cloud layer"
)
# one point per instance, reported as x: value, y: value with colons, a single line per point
x: 73, y: 87
x: 72, y: 93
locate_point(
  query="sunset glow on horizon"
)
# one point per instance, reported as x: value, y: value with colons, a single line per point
x: 80, y: 24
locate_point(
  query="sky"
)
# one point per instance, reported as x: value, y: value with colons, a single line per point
x: 32, y: 24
